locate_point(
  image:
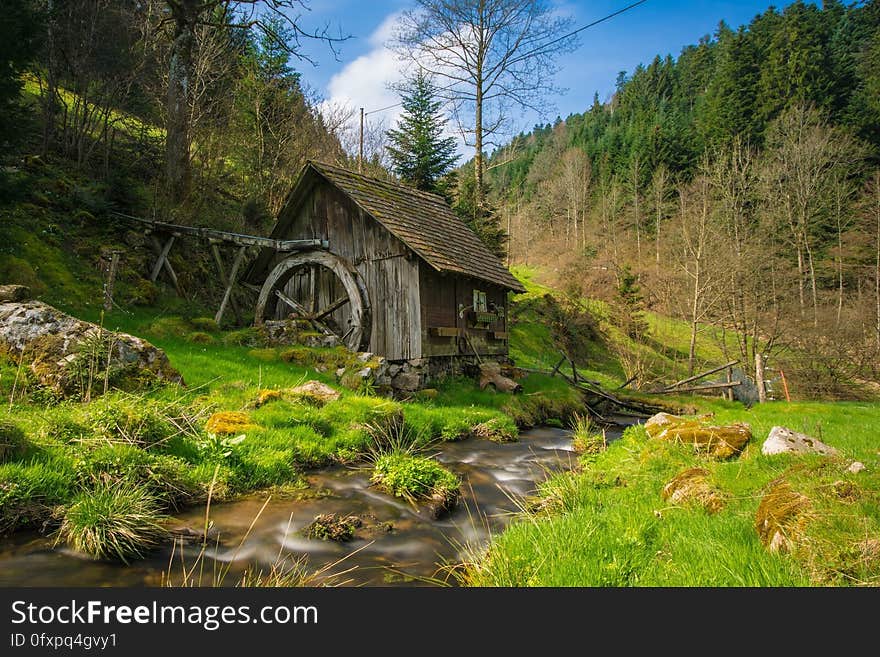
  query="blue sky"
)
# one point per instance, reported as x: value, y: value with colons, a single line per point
x: 364, y: 67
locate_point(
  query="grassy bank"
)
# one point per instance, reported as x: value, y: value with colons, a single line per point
x: 161, y: 446
x: 607, y: 524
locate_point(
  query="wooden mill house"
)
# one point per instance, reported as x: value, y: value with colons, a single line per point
x: 396, y: 272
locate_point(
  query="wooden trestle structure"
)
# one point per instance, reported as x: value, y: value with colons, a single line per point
x: 162, y: 236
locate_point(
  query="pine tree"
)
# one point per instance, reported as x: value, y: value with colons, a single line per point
x: 419, y: 153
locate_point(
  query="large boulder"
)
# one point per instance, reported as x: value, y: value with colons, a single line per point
x: 68, y: 354
x: 717, y: 441
x: 785, y: 441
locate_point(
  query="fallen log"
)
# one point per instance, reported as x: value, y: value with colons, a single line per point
x: 702, y: 375
x: 708, y: 386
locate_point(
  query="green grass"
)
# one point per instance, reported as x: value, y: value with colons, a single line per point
x: 413, y: 478
x: 113, y: 522
x: 607, y: 525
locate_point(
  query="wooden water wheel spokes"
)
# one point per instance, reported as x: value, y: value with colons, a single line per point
x: 309, y: 307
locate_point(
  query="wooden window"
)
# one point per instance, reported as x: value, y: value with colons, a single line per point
x: 480, y: 304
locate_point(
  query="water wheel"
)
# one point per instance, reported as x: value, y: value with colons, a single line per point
x: 321, y: 289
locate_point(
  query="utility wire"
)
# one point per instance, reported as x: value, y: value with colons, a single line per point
x: 543, y: 46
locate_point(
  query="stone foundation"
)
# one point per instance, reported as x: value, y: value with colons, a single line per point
x: 402, y: 377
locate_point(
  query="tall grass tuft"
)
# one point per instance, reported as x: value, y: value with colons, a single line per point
x: 122, y: 521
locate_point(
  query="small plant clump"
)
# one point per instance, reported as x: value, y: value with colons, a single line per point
x: 587, y: 437
x: 414, y: 478
x: 121, y: 521
x: 333, y: 527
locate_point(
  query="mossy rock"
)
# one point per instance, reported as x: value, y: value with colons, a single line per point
x: 13, y: 442
x: 781, y: 516
x: 313, y: 392
x: 200, y: 337
x: 333, y: 527
x: 228, y: 422
x: 692, y: 486
x: 720, y: 442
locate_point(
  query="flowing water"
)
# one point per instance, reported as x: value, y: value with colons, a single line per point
x: 399, y: 544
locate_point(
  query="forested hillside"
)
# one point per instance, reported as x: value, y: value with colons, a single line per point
x: 737, y: 183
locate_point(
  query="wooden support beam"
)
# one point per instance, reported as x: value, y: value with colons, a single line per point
x: 225, y: 236
x: 228, y: 284
x: 111, y: 281
x: 558, y: 365
x: 163, y: 254
x: 336, y: 305
x: 164, y: 262
x: 300, y: 309
x: 233, y: 274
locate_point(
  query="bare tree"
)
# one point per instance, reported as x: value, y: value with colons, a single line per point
x: 659, y: 189
x: 575, y: 176
x: 697, y: 240
x: 185, y: 18
x: 489, y: 55
x: 804, y: 152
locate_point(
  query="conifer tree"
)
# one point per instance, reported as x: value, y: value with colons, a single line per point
x: 419, y: 152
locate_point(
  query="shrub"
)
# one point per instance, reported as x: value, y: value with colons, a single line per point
x: 121, y: 521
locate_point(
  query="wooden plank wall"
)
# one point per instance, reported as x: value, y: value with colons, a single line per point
x: 441, y: 295
x: 388, y: 267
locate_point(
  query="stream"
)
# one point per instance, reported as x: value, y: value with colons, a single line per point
x: 397, y: 545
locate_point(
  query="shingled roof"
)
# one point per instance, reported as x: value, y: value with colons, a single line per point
x: 422, y: 221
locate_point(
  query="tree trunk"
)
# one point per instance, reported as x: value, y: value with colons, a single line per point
x: 800, y: 267
x: 478, y: 146
x: 49, y: 105
x: 759, y: 377
x: 695, y: 307
x: 815, y: 296
x: 180, y: 79
x: 877, y: 263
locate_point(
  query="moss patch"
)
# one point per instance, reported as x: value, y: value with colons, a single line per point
x: 228, y: 422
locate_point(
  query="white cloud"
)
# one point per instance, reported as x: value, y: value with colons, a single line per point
x: 364, y: 82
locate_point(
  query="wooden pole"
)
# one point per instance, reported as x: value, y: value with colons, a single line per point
x: 111, y: 281
x: 728, y: 394
x: 361, y: 149
x: 225, y: 280
x: 759, y: 377
x: 784, y: 386
x: 231, y: 282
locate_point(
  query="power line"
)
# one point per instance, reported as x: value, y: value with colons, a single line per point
x: 543, y: 46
